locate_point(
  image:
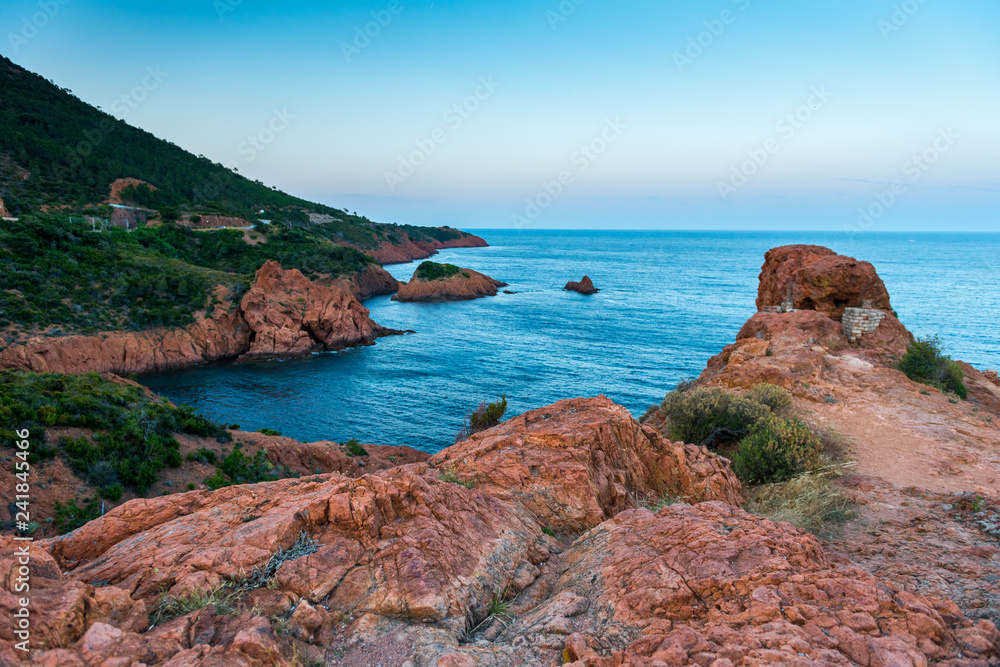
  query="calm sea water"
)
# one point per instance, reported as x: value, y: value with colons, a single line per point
x: 669, y: 301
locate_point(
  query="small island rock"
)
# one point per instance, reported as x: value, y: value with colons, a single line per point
x: 446, y: 282
x: 585, y: 286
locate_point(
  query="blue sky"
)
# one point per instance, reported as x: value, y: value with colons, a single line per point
x: 873, y: 115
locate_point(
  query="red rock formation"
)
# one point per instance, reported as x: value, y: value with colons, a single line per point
x: 224, y: 336
x: 283, y: 314
x: 712, y: 584
x: 408, y: 250
x: 585, y: 286
x: 290, y: 315
x: 575, y: 464
x: 816, y: 278
x: 373, y: 281
x: 404, y: 548
x: 464, y: 285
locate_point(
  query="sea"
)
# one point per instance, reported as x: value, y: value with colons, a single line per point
x: 668, y: 302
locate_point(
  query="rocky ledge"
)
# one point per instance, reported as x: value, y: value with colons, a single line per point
x: 283, y: 314
x: 585, y: 286
x: 446, y: 282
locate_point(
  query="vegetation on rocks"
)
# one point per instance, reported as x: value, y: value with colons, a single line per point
x: 132, y: 436
x: 925, y: 362
x: 765, y: 445
x: 238, y: 468
x: 63, y: 274
x: 428, y: 271
x: 484, y: 417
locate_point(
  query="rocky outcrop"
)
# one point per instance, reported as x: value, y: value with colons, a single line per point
x: 805, y: 277
x: 226, y: 335
x: 407, y: 249
x: 585, y: 286
x: 464, y: 285
x: 284, y: 314
x: 4, y: 213
x: 373, y: 281
x: 713, y: 585
x: 581, y: 461
x: 289, y: 315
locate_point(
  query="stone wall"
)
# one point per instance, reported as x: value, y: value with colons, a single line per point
x: 860, y: 321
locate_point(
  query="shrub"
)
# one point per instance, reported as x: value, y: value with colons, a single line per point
x: 776, y: 398
x: 354, y: 448
x: 926, y: 363
x: 238, y: 468
x: 71, y: 516
x: 776, y: 451
x: 709, y: 415
x: 433, y: 271
x: 113, y: 492
x: 483, y: 418
x: 203, y: 456
x: 269, y: 431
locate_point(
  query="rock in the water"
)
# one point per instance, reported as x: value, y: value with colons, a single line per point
x: 289, y: 315
x: 804, y: 277
x: 585, y: 286
x: 445, y: 282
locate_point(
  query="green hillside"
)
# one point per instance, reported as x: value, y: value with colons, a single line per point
x: 71, y: 152
x: 58, y: 151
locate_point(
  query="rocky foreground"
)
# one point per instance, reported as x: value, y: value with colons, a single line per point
x: 545, y: 540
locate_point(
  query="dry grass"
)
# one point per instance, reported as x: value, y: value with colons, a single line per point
x: 222, y: 597
x: 810, y: 501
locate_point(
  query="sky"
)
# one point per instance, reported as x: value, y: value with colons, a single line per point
x: 859, y: 115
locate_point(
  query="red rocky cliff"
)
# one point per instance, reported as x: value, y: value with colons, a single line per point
x: 816, y: 278
x: 291, y: 315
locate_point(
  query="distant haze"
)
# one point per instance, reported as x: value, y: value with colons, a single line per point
x: 858, y: 115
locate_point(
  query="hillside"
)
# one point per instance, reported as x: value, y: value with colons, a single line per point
x: 74, y: 264
x: 60, y: 153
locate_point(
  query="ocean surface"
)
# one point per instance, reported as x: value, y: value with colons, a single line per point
x: 669, y: 302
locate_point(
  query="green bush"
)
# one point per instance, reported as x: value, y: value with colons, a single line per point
x: 779, y: 400
x: 238, y: 468
x: 354, y: 448
x: 926, y: 363
x: 432, y: 271
x: 483, y: 418
x: 71, y: 516
x: 709, y: 415
x: 269, y: 431
x: 133, y: 433
x: 203, y: 456
x: 776, y: 451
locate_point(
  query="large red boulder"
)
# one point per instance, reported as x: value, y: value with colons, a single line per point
x: 816, y: 278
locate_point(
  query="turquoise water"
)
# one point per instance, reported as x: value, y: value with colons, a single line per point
x: 669, y: 301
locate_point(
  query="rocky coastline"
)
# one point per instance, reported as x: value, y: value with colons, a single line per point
x: 572, y: 534
x: 284, y: 314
